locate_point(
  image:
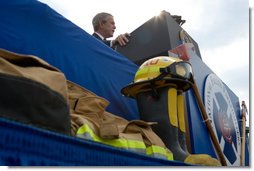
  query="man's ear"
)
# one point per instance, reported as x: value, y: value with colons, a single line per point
x: 101, y: 24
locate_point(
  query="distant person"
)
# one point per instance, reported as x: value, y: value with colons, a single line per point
x: 104, y: 27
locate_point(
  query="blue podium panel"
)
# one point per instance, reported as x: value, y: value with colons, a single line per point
x: 23, y: 145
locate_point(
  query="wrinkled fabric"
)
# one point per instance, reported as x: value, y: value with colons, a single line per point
x: 31, y: 27
x: 87, y: 107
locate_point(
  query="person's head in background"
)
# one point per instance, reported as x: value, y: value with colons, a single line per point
x: 104, y: 24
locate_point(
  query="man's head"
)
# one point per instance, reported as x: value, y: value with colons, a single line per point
x: 104, y: 24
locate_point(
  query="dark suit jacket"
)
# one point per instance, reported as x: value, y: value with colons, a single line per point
x: 107, y: 42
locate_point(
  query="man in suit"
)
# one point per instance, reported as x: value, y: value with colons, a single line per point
x: 104, y: 27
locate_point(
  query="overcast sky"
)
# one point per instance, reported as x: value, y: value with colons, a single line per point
x: 220, y: 27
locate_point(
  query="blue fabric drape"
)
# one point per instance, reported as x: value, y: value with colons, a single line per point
x: 22, y: 145
x: 31, y: 27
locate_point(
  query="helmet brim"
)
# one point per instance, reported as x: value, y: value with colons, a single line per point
x: 143, y: 86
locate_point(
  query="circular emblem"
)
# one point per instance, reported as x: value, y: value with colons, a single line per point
x: 223, y: 118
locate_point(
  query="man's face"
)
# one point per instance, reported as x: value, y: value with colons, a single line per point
x: 108, y: 28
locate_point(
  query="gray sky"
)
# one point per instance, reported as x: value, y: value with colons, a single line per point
x: 220, y: 27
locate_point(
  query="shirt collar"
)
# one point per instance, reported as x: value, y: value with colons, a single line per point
x: 102, y: 38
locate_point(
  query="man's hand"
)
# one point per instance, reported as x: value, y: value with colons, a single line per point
x: 122, y: 40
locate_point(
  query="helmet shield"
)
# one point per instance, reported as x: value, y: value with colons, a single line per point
x: 178, y: 69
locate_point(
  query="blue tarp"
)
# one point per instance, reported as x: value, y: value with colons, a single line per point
x: 23, y: 145
x: 31, y: 27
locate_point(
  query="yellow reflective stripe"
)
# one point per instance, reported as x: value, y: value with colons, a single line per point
x: 141, y: 75
x: 155, y: 149
x: 172, y: 106
x: 119, y: 142
x: 123, y: 143
x: 159, y: 150
x: 147, y: 73
x: 180, y: 108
